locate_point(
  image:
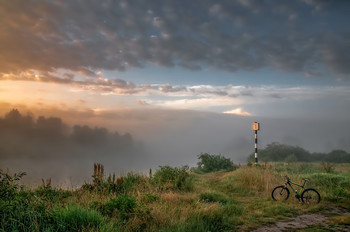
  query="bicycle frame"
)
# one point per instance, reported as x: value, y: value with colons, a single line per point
x: 289, y: 182
x: 306, y: 195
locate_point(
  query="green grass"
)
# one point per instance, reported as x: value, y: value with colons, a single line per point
x: 174, y: 199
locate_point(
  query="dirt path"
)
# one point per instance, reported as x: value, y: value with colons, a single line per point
x: 306, y: 220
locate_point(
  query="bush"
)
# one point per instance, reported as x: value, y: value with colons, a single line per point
x: 213, y: 163
x: 173, y: 178
x: 8, y: 184
x: 276, y: 152
x: 131, y: 180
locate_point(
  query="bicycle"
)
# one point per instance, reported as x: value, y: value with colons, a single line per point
x: 308, y: 196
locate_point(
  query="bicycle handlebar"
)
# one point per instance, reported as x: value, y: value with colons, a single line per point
x: 287, y: 178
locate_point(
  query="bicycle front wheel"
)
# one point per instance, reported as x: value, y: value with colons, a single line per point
x: 280, y: 193
x: 310, y: 196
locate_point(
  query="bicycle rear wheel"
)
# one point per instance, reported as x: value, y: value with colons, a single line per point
x: 280, y: 193
x: 310, y: 196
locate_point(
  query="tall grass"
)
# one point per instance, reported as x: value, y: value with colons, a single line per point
x: 76, y: 218
x: 171, y: 199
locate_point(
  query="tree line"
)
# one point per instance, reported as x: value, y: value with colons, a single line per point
x: 25, y: 135
x: 276, y: 152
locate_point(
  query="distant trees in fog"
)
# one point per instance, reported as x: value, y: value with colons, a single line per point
x: 19, y: 133
x: 276, y: 152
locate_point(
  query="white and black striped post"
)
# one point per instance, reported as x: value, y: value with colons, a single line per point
x: 256, y: 127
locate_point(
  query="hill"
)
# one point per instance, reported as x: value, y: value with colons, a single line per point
x: 171, y: 199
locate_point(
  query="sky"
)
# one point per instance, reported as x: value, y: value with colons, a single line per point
x: 182, y: 77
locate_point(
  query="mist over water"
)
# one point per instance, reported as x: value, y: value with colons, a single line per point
x: 54, y: 147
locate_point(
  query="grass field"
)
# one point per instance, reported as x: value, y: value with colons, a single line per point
x: 173, y: 199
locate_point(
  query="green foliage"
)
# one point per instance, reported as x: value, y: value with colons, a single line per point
x: 213, y: 197
x: 337, y: 156
x: 24, y: 212
x: 216, y: 203
x: 173, y: 178
x: 76, y: 218
x: 131, y: 180
x: 276, y: 152
x: 221, y: 220
x: 295, y: 168
x: 122, y: 206
x: 291, y: 158
x: 9, y: 184
x: 51, y: 194
x: 212, y: 163
x: 333, y: 187
x: 327, y: 167
x: 149, y: 198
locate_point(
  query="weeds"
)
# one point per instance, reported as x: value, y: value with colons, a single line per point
x: 98, y: 175
x: 213, y: 197
x: 171, y: 199
x: 173, y: 178
x: 75, y: 218
x: 123, y: 207
x: 46, y: 185
x: 327, y: 167
x: 9, y: 184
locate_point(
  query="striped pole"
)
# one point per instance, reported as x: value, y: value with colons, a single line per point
x: 256, y: 147
x: 256, y: 127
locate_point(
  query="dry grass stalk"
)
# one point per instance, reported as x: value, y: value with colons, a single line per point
x: 98, y: 174
x: 328, y: 167
x: 120, y: 181
x: 46, y: 185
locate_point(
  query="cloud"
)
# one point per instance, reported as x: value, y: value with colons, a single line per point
x: 141, y: 102
x: 238, y: 111
x: 80, y: 101
x: 89, y: 36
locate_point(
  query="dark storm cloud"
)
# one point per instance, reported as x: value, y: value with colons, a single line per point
x: 85, y: 36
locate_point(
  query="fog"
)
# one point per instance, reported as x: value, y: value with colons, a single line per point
x: 64, y: 147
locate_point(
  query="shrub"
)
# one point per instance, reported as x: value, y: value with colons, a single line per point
x: 213, y: 163
x: 173, y: 178
x: 8, y: 184
x: 131, y: 180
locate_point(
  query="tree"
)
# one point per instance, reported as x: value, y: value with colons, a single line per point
x: 276, y: 152
x: 213, y: 163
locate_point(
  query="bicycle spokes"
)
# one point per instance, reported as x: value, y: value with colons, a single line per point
x: 310, y: 196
